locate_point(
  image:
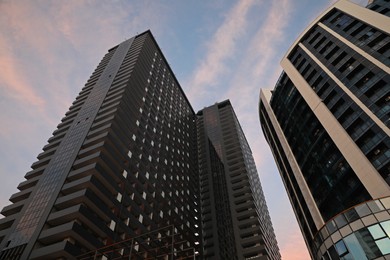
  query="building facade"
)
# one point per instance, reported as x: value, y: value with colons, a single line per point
x: 327, y: 123
x: 120, y: 176
x: 121, y: 163
x: 235, y: 218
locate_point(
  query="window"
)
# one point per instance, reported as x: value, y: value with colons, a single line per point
x: 385, y: 10
x: 331, y: 95
x: 375, y: 88
x: 380, y: 237
x: 332, y: 52
x: 336, y: 18
x: 358, y: 30
x: 366, y: 36
x: 318, y: 44
x: 350, y: 26
x: 354, y: 72
x: 341, y: 248
x: 384, y: 48
x: 364, y: 79
x: 377, y: 40
x: 339, y: 58
x: 311, y: 75
x: 326, y: 47
x: 347, y: 65
x: 315, y: 37
x: 343, y: 21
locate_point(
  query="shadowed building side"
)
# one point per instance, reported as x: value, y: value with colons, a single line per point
x: 236, y: 223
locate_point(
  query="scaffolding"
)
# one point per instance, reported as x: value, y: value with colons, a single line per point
x: 159, y: 244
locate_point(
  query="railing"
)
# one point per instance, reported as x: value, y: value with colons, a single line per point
x: 156, y: 244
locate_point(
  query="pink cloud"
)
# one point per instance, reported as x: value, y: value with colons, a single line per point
x: 13, y: 82
x: 38, y: 44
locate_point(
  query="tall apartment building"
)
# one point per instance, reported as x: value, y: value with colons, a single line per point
x: 327, y: 123
x: 235, y: 219
x: 120, y: 178
x: 121, y: 163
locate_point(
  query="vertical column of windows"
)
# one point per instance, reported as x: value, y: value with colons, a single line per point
x: 159, y: 168
x: 296, y: 197
x: 300, y: 126
x: 370, y: 84
x: 363, y: 81
x: 369, y: 39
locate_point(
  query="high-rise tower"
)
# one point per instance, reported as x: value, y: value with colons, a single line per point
x: 327, y: 123
x: 120, y: 177
x: 236, y: 223
x: 121, y: 163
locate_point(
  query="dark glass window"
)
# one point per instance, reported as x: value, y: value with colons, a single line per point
x: 369, y: 39
x: 327, y: 179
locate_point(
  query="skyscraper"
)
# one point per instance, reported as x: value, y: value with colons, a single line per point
x: 327, y: 123
x: 121, y: 163
x: 120, y: 176
x: 236, y: 223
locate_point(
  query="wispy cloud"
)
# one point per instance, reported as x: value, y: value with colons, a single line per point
x: 16, y: 33
x: 259, y: 69
x: 47, y: 51
x: 222, y: 46
x: 13, y: 83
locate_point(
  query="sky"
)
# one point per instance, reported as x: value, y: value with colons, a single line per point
x: 218, y: 49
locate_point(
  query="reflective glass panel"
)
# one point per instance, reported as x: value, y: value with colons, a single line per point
x: 368, y: 243
x: 340, y: 221
x: 384, y: 245
x: 375, y: 206
x: 363, y: 210
x: 333, y: 253
x: 351, y: 215
x: 386, y: 226
x: 355, y: 248
x: 326, y: 256
x: 331, y: 226
x: 341, y: 248
x: 376, y: 231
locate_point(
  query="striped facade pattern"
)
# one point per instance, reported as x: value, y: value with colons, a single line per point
x: 135, y: 170
x: 327, y: 123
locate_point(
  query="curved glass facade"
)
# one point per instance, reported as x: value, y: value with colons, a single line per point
x: 361, y: 232
x: 333, y: 184
x: 327, y: 123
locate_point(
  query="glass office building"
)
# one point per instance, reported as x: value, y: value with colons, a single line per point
x: 327, y: 123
